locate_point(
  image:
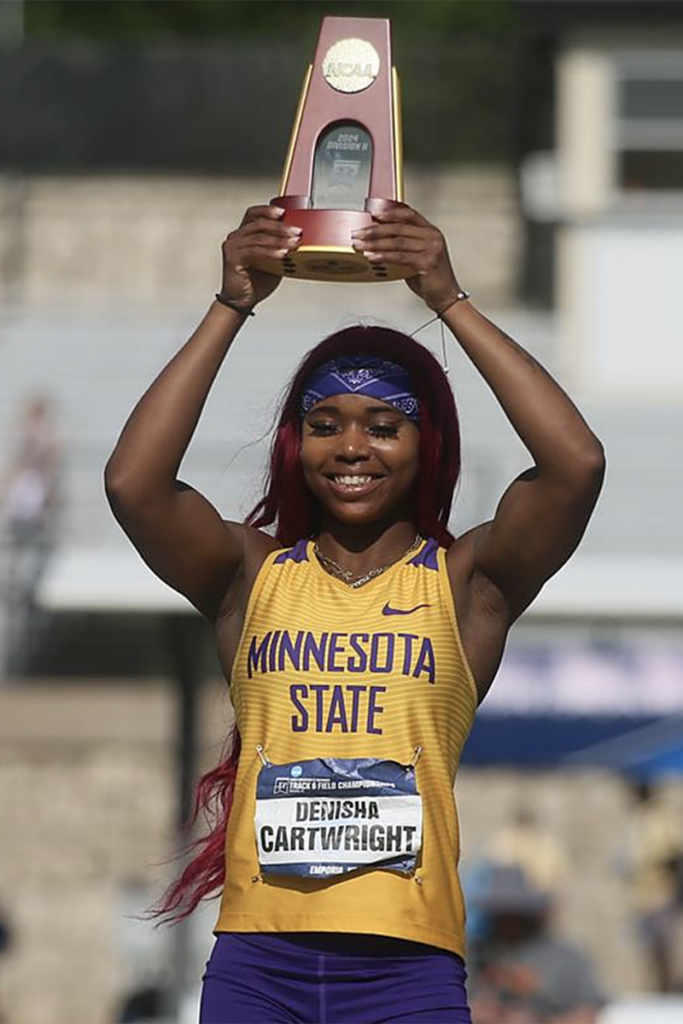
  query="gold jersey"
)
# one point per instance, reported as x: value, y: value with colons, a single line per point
x: 326, y: 671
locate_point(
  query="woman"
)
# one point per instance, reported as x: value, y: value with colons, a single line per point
x: 353, y: 681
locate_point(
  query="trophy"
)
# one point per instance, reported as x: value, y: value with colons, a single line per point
x: 344, y: 161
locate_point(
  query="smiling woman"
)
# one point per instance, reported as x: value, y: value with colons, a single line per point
x: 357, y: 641
x: 349, y: 370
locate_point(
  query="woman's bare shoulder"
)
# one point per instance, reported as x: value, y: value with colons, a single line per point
x: 256, y: 544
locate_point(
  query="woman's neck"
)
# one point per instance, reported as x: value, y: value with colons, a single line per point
x: 368, y: 546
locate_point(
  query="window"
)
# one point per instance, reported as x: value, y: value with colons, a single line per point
x: 649, y: 128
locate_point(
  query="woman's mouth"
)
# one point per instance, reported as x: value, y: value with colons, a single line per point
x: 354, y: 483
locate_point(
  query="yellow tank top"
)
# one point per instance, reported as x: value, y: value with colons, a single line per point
x: 326, y: 671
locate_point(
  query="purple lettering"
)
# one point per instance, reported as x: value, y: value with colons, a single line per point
x: 299, y: 725
x: 290, y: 650
x: 315, y: 651
x: 319, y: 689
x: 356, y: 691
x: 375, y: 665
x: 359, y: 664
x: 425, y: 660
x: 337, y: 713
x: 273, y: 651
x: 257, y: 652
x: 408, y: 651
x: 334, y: 649
x: 373, y: 709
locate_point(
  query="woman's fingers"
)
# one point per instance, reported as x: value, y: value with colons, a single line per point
x: 259, y: 239
x: 408, y: 259
x: 403, y: 237
x: 246, y: 255
x: 272, y: 213
x: 267, y: 226
x: 399, y: 242
x: 402, y: 215
x: 394, y: 228
x: 261, y: 226
x: 265, y: 238
x: 408, y: 237
x: 262, y: 231
x: 420, y: 253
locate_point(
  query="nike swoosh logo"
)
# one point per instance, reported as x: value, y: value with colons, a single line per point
x: 388, y: 610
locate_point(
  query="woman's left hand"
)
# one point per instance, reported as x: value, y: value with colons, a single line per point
x: 404, y: 237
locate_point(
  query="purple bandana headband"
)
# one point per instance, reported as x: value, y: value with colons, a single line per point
x: 369, y: 376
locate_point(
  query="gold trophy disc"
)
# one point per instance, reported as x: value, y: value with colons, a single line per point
x: 351, y: 65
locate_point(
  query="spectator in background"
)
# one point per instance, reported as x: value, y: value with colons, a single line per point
x: 529, y: 845
x: 654, y: 858
x: 521, y: 972
x: 5, y: 941
x: 30, y: 502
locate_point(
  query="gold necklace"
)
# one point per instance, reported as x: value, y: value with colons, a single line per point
x: 351, y: 578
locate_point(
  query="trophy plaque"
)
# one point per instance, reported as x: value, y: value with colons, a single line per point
x: 344, y: 161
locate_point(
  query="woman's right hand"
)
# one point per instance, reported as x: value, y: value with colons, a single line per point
x: 261, y: 234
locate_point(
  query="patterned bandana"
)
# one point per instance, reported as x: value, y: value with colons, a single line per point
x: 369, y: 376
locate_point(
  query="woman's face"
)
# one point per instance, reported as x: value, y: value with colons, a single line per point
x: 360, y: 458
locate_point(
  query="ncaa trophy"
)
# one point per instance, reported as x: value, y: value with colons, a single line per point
x: 344, y: 161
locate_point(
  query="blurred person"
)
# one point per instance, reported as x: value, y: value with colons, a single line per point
x: 654, y: 859
x: 5, y: 941
x: 30, y: 498
x: 340, y: 638
x: 522, y: 972
x: 526, y: 843
x: 142, y: 1005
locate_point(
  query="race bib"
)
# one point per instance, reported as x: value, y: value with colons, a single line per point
x: 328, y: 816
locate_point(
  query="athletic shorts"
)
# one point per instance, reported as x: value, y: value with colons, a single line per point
x: 321, y: 978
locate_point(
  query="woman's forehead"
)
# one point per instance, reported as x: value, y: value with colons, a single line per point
x: 365, y: 376
x: 355, y: 405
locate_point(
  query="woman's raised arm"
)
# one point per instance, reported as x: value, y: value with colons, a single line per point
x: 544, y: 512
x: 176, y: 530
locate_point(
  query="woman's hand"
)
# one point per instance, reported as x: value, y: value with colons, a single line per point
x: 404, y: 237
x: 260, y: 235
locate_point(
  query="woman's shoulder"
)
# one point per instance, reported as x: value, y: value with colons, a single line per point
x: 256, y: 545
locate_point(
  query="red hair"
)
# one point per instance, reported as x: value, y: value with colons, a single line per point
x: 287, y: 501
x: 289, y: 504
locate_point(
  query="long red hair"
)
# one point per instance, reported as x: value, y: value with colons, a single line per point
x: 289, y: 505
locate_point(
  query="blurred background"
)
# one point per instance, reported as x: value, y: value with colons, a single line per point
x: 546, y: 140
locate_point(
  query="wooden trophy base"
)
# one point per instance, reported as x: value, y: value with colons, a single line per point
x: 325, y: 252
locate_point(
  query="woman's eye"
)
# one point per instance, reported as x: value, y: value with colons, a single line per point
x: 384, y: 430
x: 323, y: 429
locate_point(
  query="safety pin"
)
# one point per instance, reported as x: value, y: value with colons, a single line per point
x: 262, y: 754
x: 416, y: 757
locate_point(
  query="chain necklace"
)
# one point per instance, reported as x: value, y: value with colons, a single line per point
x: 353, y: 579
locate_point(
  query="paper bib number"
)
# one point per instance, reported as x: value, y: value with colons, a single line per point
x: 329, y: 816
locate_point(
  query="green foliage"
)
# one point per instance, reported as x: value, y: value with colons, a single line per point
x: 196, y: 19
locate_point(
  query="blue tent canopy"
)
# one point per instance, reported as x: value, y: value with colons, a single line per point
x: 643, y: 748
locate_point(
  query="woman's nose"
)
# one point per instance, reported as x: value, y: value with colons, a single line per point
x: 353, y: 444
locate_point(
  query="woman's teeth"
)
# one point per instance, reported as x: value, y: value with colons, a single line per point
x: 352, y: 481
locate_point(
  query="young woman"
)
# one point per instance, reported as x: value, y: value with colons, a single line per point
x: 358, y: 641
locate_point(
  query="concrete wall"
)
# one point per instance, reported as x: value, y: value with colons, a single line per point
x: 136, y: 242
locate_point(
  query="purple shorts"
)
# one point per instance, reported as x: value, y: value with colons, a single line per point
x: 321, y: 978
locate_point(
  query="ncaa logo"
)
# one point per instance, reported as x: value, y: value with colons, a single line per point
x: 296, y: 771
